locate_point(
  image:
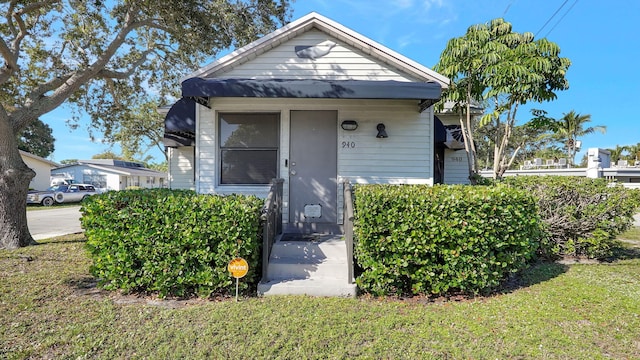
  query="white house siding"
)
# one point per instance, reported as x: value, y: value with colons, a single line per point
x: 456, y: 167
x: 343, y: 62
x: 405, y: 157
x: 181, y: 168
x: 42, y: 180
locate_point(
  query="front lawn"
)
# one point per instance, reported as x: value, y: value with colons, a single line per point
x: 49, y: 308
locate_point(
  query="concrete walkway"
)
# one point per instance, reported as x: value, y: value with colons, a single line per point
x: 48, y: 223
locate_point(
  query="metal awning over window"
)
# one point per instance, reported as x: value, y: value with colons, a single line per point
x: 180, y: 124
x: 426, y: 92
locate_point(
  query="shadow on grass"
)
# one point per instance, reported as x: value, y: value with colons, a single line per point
x: 538, y: 273
x: 627, y: 250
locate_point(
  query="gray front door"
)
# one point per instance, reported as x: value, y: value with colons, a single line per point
x: 313, y: 191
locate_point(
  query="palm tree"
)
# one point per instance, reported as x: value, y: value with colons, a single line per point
x: 616, y: 153
x: 572, y: 126
x: 634, y: 152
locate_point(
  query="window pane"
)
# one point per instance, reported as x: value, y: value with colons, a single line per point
x: 249, y: 130
x: 248, y: 166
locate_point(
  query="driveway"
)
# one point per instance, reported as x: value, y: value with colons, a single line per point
x: 49, y: 223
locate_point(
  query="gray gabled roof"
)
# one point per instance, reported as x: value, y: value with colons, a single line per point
x: 120, y: 170
x: 330, y: 27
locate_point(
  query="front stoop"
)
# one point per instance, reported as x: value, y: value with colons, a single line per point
x: 316, y: 268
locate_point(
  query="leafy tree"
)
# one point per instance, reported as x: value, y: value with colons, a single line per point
x: 527, y: 141
x: 143, y: 132
x: 529, y: 70
x: 98, y: 56
x: 69, y: 161
x: 506, y: 69
x: 161, y: 166
x: 108, y: 154
x: 37, y: 139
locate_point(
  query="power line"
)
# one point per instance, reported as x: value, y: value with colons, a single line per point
x: 507, y: 9
x: 552, y: 16
x: 565, y: 14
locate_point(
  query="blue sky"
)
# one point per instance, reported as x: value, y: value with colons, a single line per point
x: 601, y: 38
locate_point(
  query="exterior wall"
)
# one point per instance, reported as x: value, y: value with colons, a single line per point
x: 456, y: 167
x: 342, y: 62
x: 181, y: 168
x: 42, y: 180
x: 405, y: 157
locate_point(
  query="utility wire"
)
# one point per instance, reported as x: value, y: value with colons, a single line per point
x: 507, y: 9
x: 565, y: 14
x: 552, y: 16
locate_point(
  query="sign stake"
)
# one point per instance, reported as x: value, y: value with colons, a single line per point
x: 238, y: 268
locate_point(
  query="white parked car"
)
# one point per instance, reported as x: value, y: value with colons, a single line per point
x: 61, y: 194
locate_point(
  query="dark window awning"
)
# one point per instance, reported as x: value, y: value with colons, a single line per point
x: 426, y: 92
x: 439, y: 132
x: 449, y: 136
x: 180, y: 124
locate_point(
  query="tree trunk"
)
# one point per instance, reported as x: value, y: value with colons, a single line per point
x: 15, y: 176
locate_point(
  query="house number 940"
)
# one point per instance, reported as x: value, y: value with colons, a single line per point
x: 348, y: 144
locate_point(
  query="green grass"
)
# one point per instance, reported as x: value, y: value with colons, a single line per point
x: 49, y: 308
x: 35, y: 207
x: 632, y: 234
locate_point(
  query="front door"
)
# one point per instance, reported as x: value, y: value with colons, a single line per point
x: 313, y: 190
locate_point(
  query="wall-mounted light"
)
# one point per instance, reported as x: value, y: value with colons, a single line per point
x: 381, y: 131
x: 349, y: 125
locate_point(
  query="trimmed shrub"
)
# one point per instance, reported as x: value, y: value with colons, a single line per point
x: 583, y: 216
x: 415, y: 239
x: 171, y: 242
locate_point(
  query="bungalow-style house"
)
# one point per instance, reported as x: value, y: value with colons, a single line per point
x: 42, y: 167
x: 314, y: 104
x: 109, y: 174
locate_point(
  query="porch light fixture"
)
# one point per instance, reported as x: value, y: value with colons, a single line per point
x: 349, y: 125
x: 381, y: 131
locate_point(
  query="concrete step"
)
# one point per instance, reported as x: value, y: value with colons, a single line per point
x: 334, y: 249
x: 311, y: 287
x: 305, y: 268
x: 318, y: 267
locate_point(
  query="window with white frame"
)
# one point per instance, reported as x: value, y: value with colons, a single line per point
x: 248, y: 147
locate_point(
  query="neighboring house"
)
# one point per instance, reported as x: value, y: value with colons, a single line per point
x: 451, y: 162
x: 42, y: 167
x: 109, y: 174
x: 313, y: 103
x: 599, y: 165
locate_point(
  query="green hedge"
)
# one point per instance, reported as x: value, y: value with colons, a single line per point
x: 171, y: 242
x: 583, y: 216
x: 441, y: 239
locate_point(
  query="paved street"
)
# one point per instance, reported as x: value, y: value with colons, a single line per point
x: 54, y: 222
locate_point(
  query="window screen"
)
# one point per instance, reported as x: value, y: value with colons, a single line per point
x: 248, y: 147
